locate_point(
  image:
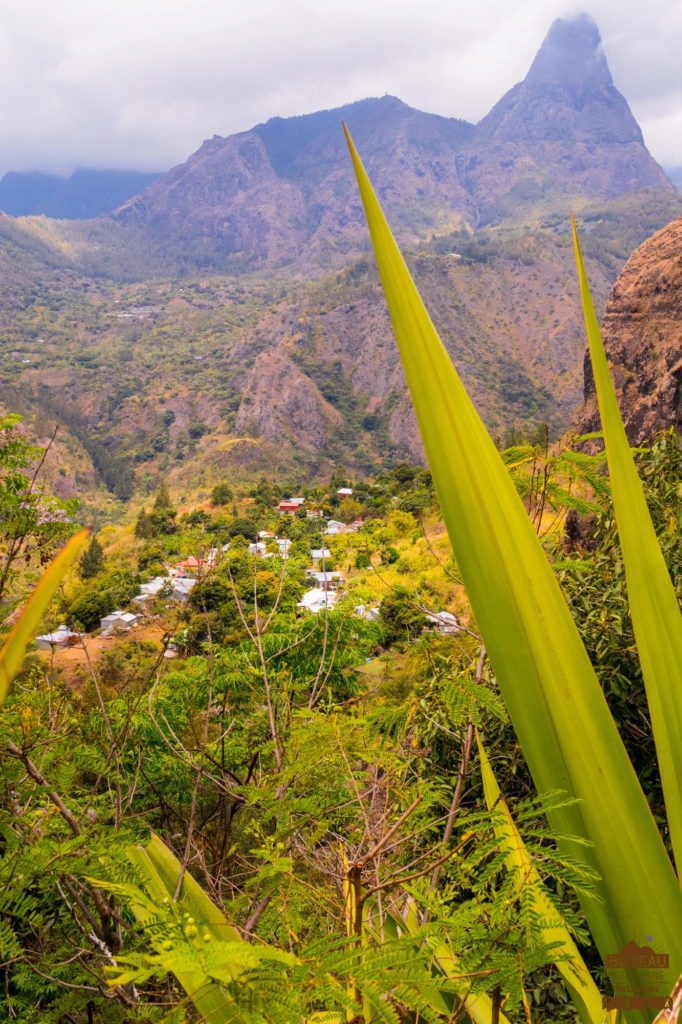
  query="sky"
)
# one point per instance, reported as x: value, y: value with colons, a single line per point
x: 139, y: 84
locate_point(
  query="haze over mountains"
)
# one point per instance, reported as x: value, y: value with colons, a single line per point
x: 84, y: 194
x: 227, y: 319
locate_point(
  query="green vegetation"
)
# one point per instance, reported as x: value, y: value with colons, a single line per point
x: 414, y: 806
x: 290, y: 759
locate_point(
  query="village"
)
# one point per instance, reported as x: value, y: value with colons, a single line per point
x: 175, y: 586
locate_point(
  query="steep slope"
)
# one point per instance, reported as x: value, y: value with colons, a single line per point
x: 642, y: 331
x: 283, y: 192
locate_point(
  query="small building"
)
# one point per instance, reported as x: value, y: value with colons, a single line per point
x: 290, y: 505
x: 264, y: 535
x: 334, y: 527
x: 362, y: 611
x: 283, y: 543
x: 444, y: 622
x: 317, y: 600
x: 181, y: 588
x: 345, y: 492
x: 153, y: 587
x: 328, y: 580
x: 62, y: 637
x: 258, y: 550
x: 319, y: 555
x: 118, y: 622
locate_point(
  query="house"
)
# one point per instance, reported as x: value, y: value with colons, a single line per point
x: 319, y: 555
x: 328, y: 580
x: 264, y: 535
x: 118, y: 622
x: 290, y: 505
x: 345, y: 492
x: 181, y: 588
x: 444, y: 622
x: 335, y: 527
x: 317, y: 600
x: 361, y: 611
x: 62, y: 637
x: 283, y: 543
x: 153, y: 587
x: 258, y: 550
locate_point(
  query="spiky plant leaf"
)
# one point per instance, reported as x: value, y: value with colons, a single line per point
x: 554, y: 699
x: 655, y: 612
x: 554, y: 933
x: 14, y: 648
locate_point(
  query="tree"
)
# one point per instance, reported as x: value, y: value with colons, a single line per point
x: 399, y: 617
x: 221, y: 494
x: 243, y: 527
x: 92, y: 560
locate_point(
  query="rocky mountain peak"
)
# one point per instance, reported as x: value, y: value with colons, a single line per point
x: 571, y: 56
x: 284, y: 191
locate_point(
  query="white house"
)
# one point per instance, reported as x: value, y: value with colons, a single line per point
x: 361, y: 611
x: 328, y: 580
x: 445, y: 622
x: 182, y: 588
x: 258, y: 550
x: 283, y: 543
x: 334, y: 527
x: 118, y: 622
x: 319, y: 555
x: 62, y: 637
x: 153, y: 587
x: 317, y: 600
x: 345, y: 492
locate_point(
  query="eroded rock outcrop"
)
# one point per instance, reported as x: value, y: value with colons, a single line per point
x: 642, y: 331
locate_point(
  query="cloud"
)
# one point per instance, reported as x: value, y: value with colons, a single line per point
x: 140, y: 83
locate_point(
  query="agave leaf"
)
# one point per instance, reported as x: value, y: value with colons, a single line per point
x: 553, y: 697
x: 654, y: 609
x: 14, y: 648
x: 160, y: 870
x: 571, y: 966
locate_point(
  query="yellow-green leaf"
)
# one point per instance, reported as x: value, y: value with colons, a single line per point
x: 553, y: 697
x: 585, y: 994
x: 653, y: 604
x: 14, y: 648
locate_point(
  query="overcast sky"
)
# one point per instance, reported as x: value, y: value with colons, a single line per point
x: 140, y: 83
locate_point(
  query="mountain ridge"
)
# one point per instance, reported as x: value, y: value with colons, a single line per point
x: 283, y: 191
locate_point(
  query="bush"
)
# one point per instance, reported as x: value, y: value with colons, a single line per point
x: 221, y: 494
x: 243, y: 527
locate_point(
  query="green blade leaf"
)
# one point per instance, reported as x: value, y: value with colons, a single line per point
x: 653, y: 604
x: 552, y: 694
x: 160, y: 870
x: 14, y: 648
x: 585, y: 994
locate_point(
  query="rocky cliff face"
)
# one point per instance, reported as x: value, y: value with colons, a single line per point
x: 642, y: 331
x: 284, y: 193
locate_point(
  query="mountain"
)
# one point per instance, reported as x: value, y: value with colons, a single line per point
x: 283, y: 192
x: 84, y: 194
x: 227, y: 322
x: 642, y: 331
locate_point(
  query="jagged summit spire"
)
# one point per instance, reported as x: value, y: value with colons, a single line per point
x: 571, y: 55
